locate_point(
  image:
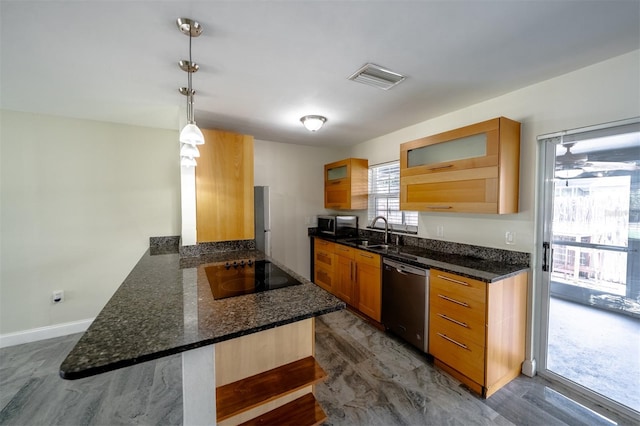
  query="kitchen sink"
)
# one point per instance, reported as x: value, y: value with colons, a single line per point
x: 378, y: 246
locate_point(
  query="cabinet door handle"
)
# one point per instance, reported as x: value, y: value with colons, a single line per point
x: 453, y: 341
x: 351, y: 276
x: 453, y: 320
x: 452, y: 280
x: 439, y: 207
x: 356, y: 274
x: 336, y: 182
x: 453, y: 300
x: 441, y: 167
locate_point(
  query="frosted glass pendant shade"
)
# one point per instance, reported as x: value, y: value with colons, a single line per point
x: 187, y: 162
x: 189, y: 150
x: 192, y: 135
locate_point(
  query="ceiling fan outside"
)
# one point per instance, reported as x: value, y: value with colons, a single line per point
x: 570, y: 165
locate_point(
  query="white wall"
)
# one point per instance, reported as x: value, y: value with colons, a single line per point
x: 294, y: 174
x: 603, y: 92
x: 79, y: 201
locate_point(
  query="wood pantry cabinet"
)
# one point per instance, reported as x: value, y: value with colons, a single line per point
x: 224, y: 187
x: 472, y: 169
x: 477, y: 329
x: 324, y: 264
x: 346, y: 184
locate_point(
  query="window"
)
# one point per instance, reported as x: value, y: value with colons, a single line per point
x: 384, y: 198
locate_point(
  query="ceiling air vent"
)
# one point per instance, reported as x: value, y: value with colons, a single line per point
x: 376, y: 76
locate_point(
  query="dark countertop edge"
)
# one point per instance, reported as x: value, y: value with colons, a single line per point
x: 88, y: 372
x: 480, y: 275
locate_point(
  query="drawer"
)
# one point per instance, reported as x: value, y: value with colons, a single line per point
x: 345, y: 251
x: 323, y: 245
x: 324, y: 278
x: 459, y: 328
x: 324, y: 258
x: 367, y: 258
x: 463, y: 309
x: 460, y: 288
x: 464, y: 356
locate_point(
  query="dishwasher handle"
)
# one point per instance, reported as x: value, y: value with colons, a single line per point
x: 404, y: 269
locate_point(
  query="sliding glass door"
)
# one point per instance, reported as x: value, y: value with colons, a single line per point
x: 591, y: 261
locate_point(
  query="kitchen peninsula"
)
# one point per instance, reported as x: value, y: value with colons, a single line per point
x: 165, y: 306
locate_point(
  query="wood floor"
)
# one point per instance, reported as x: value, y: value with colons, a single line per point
x: 374, y: 379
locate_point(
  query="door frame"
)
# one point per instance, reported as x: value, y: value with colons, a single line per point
x: 545, y: 196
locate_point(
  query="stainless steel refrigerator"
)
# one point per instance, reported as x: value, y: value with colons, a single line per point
x: 262, y: 218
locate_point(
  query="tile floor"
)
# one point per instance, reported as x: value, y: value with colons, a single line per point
x: 374, y: 379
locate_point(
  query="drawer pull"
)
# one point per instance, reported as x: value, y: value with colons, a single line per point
x: 441, y: 167
x: 453, y: 321
x: 452, y: 280
x: 368, y: 256
x: 336, y: 182
x: 343, y: 248
x: 453, y: 341
x: 439, y: 207
x: 466, y: 305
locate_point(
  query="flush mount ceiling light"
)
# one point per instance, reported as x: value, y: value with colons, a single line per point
x: 313, y: 123
x: 190, y: 135
x: 377, y: 76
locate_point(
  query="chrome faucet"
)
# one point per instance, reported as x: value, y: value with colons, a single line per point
x: 386, y: 227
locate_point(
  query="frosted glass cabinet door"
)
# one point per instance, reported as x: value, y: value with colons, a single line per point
x: 472, y: 169
x: 339, y: 172
x: 454, y: 150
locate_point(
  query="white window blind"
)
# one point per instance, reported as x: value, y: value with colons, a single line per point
x: 384, y: 198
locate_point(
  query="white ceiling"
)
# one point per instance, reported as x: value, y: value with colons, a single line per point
x: 264, y: 64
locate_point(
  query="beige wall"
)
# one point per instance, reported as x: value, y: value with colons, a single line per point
x: 294, y: 174
x: 79, y: 201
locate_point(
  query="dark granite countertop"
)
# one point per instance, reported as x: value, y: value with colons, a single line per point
x: 468, y: 266
x: 165, y: 306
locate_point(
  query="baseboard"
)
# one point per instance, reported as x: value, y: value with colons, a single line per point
x: 42, y: 333
x: 529, y: 367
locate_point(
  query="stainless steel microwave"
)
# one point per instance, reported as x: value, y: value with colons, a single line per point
x: 338, y: 225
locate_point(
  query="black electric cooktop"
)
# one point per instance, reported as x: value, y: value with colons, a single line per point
x: 245, y: 277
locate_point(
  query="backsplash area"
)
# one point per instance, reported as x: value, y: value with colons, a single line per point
x: 486, y: 253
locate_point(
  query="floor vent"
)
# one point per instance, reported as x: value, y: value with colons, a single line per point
x: 376, y: 76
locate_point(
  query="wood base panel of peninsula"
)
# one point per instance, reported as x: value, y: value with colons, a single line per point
x: 250, y: 363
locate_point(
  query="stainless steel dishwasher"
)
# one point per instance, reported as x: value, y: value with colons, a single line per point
x: 405, y: 302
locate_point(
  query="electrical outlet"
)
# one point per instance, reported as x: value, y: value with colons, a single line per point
x: 440, y: 231
x: 510, y: 237
x: 57, y: 296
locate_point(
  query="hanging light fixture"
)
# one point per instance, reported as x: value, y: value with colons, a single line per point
x: 313, y: 123
x: 190, y: 135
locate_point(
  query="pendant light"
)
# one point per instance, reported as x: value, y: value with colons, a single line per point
x: 190, y: 135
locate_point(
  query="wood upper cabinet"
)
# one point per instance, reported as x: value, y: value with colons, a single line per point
x: 224, y: 187
x: 472, y: 169
x: 477, y: 329
x: 346, y: 184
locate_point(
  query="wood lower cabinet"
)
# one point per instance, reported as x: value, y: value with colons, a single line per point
x: 345, y: 275
x: 224, y: 187
x: 477, y: 329
x: 369, y: 284
x: 324, y: 265
x: 356, y: 278
x: 359, y: 281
